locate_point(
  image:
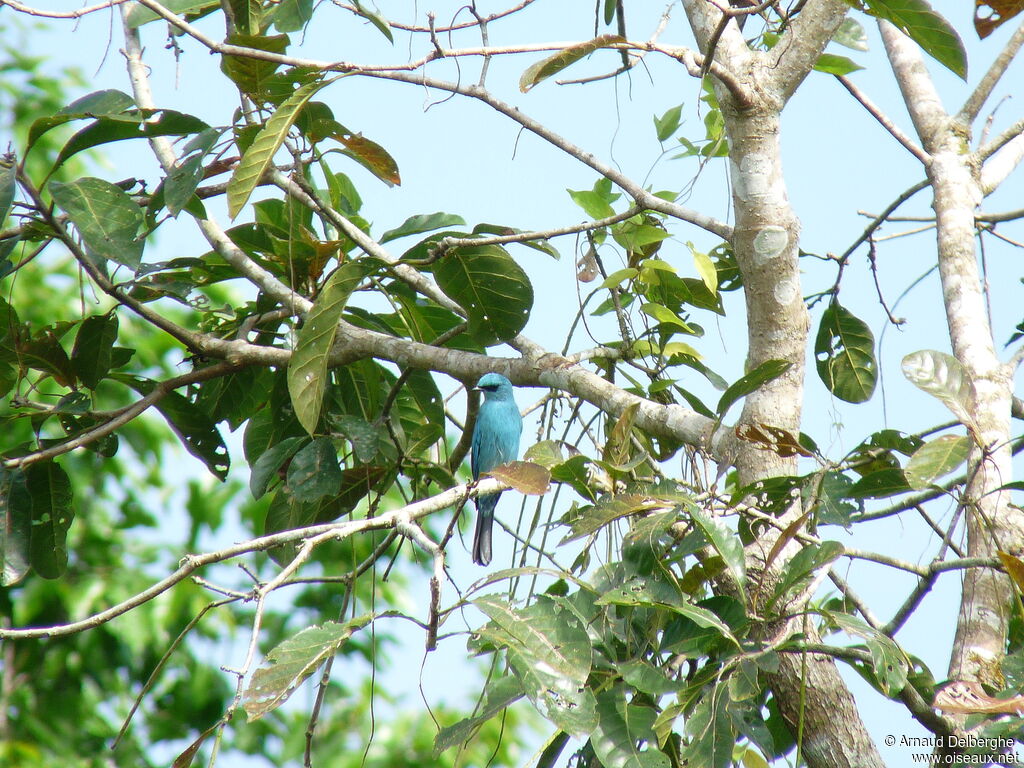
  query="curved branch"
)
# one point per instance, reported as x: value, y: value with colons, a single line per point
x: 319, y: 533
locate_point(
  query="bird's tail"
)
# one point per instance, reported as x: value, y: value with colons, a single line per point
x: 482, y: 534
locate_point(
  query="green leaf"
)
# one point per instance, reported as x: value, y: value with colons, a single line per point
x: 889, y: 663
x: 646, y: 678
x: 851, y: 35
x: 844, y: 352
x: 624, y: 736
x: 547, y: 453
x: 922, y: 24
x: 711, y: 733
x: 314, y: 472
x: 106, y: 217
x: 668, y: 123
x: 253, y: 76
x: 555, y: 63
x: 8, y: 171
x: 879, y: 485
x: 257, y: 158
x: 936, y: 458
x: 94, y: 345
x: 550, y: 652
x: 307, y: 369
x: 49, y: 491
x: 803, y: 565
x: 376, y: 19
x: 615, y: 279
x: 292, y: 15
x: 140, y: 14
x: 726, y: 543
x: 765, y: 372
x: 372, y: 156
x: 493, y: 289
x: 289, y: 663
x: 943, y: 377
x: 424, y: 222
x: 139, y: 124
x: 593, y: 203
x: 96, y: 104
x: 267, y: 467
x: 196, y: 430
x: 15, y: 527
x: 832, y: 64
x: 498, y: 695
x: 610, y: 508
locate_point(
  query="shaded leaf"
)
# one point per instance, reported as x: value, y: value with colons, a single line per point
x: 314, y: 472
x: 93, y: 351
x: 8, y: 171
x: 879, y: 485
x: 15, y: 526
x: 269, y: 464
x: 725, y: 543
x: 555, y: 63
x: 936, y: 458
x: 106, y: 217
x: 844, y: 352
x: 50, y: 495
x: 196, y: 430
x: 288, y: 664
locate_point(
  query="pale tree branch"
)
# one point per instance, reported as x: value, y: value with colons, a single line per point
x: 1000, y: 165
x: 973, y: 105
x: 897, y: 133
x: 794, y: 55
x: 315, y: 533
x: 919, y: 92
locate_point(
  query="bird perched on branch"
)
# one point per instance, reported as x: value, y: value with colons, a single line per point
x: 495, y: 441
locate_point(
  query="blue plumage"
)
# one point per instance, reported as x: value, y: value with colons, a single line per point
x: 495, y: 441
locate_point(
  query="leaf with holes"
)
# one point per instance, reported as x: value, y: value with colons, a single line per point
x: 196, y: 430
x: 106, y: 217
x: 260, y: 154
x: 569, y: 55
x: 936, y: 458
x: 493, y: 289
x: 942, y: 376
x: 844, y: 352
x: 990, y: 14
x: 292, y: 661
x: 307, y: 369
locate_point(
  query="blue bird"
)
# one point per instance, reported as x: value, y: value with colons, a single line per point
x: 495, y: 441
